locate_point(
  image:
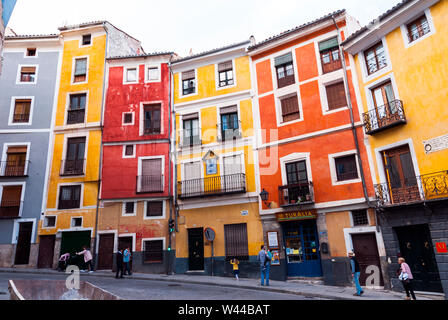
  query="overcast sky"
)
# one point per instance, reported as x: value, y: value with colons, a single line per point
x: 181, y: 25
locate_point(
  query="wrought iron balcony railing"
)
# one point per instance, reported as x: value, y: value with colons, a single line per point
x: 427, y: 187
x: 72, y: 167
x: 384, y: 117
x: 190, y: 137
x: 151, y: 127
x: 150, y: 184
x: 21, y: 118
x: 296, y: 194
x: 219, y: 185
x: 10, y: 209
x: 76, y: 116
x: 14, y: 168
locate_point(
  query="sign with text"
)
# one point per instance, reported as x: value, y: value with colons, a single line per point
x: 436, y: 144
x: 297, y: 215
x: 441, y: 247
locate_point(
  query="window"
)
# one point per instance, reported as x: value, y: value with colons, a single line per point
x: 22, y: 108
x: 15, y: 161
x: 230, y: 126
x: 236, y: 241
x: 346, y: 168
x: 49, y: 222
x: 290, y: 108
x: 128, y: 118
x: 86, y: 39
x: 153, y: 251
x: 80, y: 70
x: 151, y: 179
x: 129, y: 208
x: 11, y: 201
x: 225, y: 74
x: 336, y: 96
x: 76, y: 222
x: 28, y: 74
x: 191, y: 130
x: 375, y: 58
x: 298, y: 186
x: 285, y: 70
x: 329, y: 55
x: 153, y: 74
x: 418, y: 28
x: 74, y: 161
x: 154, y: 209
x: 360, y: 218
x: 131, y: 75
x: 69, y: 197
x: 188, y: 82
x: 129, y: 151
x: 31, y: 52
x: 152, y: 119
x: 77, y: 108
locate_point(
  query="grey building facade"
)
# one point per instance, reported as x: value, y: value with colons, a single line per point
x: 28, y: 86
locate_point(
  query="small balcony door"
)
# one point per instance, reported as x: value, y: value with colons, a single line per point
x: 192, y: 182
x: 385, y: 107
x: 232, y: 173
x: 191, y: 133
x: 401, y: 177
x: 74, y: 162
x: 298, y: 184
x: 15, y: 161
x: 152, y: 176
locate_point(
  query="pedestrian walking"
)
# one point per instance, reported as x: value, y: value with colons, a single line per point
x: 356, y: 273
x: 406, y: 278
x: 267, y: 265
x: 126, y: 260
x: 119, y: 261
x: 262, y: 259
x: 87, y: 258
x: 236, y: 271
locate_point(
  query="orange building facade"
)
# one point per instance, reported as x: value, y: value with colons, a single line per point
x: 314, y: 173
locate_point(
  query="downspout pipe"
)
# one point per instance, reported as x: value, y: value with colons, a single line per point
x: 170, y: 192
x: 352, y: 121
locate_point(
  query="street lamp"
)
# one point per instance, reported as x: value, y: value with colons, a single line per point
x: 264, y: 195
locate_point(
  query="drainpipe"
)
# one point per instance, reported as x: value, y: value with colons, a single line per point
x: 101, y: 150
x: 352, y: 121
x: 170, y: 192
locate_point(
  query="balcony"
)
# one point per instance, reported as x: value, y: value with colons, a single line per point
x: 72, y: 167
x: 10, y: 209
x: 229, y: 134
x: 213, y: 186
x: 427, y: 187
x: 296, y: 194
x: 384, y: 117
x: 150, y: 184
x: 75, y: 116
x: 14, y: 168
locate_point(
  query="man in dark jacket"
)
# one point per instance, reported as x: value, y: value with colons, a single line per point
x: 119, y: 260
x: 356, y: 273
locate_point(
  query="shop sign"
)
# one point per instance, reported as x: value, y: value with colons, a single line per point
x: 441, y: 247
x: 297, y: 215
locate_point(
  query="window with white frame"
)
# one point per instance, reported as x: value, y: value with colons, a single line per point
x: 153, y: 251
x: 129, y: 151
x: 154, y: 209
x: 76, y: 222
x: 188, y: 82
x: 128, y: 118
x: 80, y: 74
x: 22, y: 111
x: 129, y: 208
x: 49, y: 222
x: 131, y: 75
x: 152, y: 73
x: 360, y: 218
x: 346, y: 168
x: 28, y: 74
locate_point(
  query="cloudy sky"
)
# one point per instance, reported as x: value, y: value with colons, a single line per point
x: 181, y: 25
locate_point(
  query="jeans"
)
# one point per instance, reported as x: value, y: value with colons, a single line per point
x: 119, y: 271
x: 264, y: 271
x: 356, y: 279
x: 127, y: 268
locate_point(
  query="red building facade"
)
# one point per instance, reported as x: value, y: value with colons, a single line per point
x: 313, y: 163
x: 136, y: 170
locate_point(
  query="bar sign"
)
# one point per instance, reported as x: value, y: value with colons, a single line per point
x: 441, y: 247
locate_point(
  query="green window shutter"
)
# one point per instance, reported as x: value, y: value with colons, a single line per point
x: 328, y: 44
x: 287, y: 58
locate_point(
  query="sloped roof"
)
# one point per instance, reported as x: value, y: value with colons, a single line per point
x: 141, y: 55
x: 32, y: 36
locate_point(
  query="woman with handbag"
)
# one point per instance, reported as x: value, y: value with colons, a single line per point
x: 406, y: 278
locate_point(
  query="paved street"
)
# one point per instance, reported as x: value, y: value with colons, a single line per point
x: 133, y: 289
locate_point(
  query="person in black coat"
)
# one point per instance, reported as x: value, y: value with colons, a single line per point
x: 119, y: 260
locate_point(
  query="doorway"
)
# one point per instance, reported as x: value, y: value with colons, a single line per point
x: 24, y: 243
x: 416, y: 247
x: 366, y: 251
x: 72, y: 242
x: 126, y: 242
x: 196, y: 249
x: 106, y: 251
x: 46, y: 252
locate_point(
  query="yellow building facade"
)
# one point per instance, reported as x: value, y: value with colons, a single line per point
x: 216, y: 171
x: 403, y: 87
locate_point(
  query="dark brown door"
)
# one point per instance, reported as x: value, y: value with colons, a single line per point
x: 401, y: 175
x: 24, y: 243
x: 196, y: 249
x: 46, y: 252
x: 106, y: 251
x: 126, y: 242
x: 366, y: 251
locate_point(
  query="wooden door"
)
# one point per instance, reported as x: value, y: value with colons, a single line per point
x: 196, y: 249
x: 106, y: 251
x: 24, y: 243
x: 46, y: 252
x: 401, y: 177
x: 366, y: 251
